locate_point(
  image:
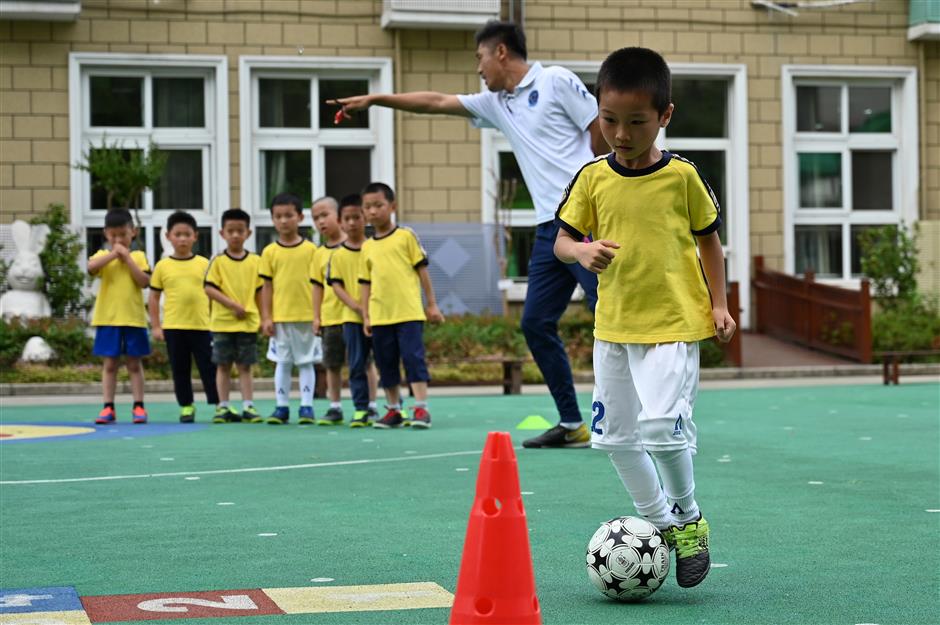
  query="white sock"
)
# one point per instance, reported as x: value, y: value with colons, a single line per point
x: 223, y: 404
x: 308, y: 380
x: 282, y: 383
x: 247, y: 403
x: 336, y: 404
x: 638, y: 474
x: 570, y: 425
x: 675, y: 468
x: 373, y: 405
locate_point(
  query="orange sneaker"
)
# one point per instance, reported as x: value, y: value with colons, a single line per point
x: 106, y: 416
x: 139, y: 414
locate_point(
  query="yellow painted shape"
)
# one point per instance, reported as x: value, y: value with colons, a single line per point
x: 534, y: 422
x: 16, y: 432
x: 68, y: 617
x: 360, y: 598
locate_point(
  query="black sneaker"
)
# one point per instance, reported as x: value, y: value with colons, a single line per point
x: 280, y: 416
x: 691, y: 544
x: 392, y: 419
x: 560, y: 436
x: 362, y: 419
x: 225, y: 415
x: 333, y: 416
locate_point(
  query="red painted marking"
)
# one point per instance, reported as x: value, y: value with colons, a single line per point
x: 6, y: 435
x: 173, y: 605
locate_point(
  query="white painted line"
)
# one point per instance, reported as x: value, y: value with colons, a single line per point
x: 332, y: 433
x: 127, y: 438
x: 724, y: 460
x: 368, y: 440
x: 527, y: 492
x: 864, y: 438
x: 146, y: 446
x: 192, y: 477
x: 267, y: 534
x: 462, y: 469
x: 716, y: 565
x: 167, y: 459
x: 931, y: 510
x: 410, y: 451
x: 320, y: 580
x: 788, y: 427
x: 720, y: 421
x: 226, y: 503
x: 288, y: 467
x: 833, y: 412
x: 902, y: 416
x: 814, y: 483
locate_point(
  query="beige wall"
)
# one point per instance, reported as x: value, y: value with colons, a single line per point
x: 440, y: 163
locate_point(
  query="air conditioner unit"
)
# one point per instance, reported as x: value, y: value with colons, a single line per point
x: 40, y: 10
x: 438, y: 14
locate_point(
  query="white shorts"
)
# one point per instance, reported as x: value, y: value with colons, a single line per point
x: 295, y: 342
x: 643, y: 396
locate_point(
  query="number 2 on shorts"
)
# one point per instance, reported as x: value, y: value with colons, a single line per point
x: 597, y: 409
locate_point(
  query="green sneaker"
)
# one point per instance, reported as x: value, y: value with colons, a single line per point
x: 250, y: 415
x: 361, y: 419
x: 187, y: 414
x: 224, y: 414
x: 691, y: 544
x: 333, y: 416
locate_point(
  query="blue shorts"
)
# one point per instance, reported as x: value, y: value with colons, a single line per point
x: 400, y: 342
x: 114, y: 341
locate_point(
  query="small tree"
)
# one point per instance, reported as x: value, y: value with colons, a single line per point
x: 123, y: 174
x: 889, y: 260
x: 64, y: 277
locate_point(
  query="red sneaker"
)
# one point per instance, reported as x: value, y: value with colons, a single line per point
x: 106, y: 416
x: 392, y: 419
x: 139, y: 414
x: 420, y: 419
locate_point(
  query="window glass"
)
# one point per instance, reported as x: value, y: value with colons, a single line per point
x: 180, y: 187
x: 869, y: 109
x: 347, y: 170
x: 179, y: 103
x: 99, y: 197
x: 117, y: 101
x: 513, y: 192
x: 819, y: 109
x: 872, y: 180
x: 856, y: 249
x: 518, y: 250
x: 711, y: 165
x: 819, y: 248
x: 286, y: 171
x: 701, y: 108
x: 284, y: 103
x: 820, y: 180
x: 203, y: 245
x: 333, y: 89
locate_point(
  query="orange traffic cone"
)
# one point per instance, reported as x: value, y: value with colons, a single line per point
x: 496, y: 584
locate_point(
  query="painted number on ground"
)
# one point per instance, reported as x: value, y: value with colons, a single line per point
x: 178, y: 604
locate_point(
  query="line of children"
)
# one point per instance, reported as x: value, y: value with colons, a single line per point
x: 292, y: 291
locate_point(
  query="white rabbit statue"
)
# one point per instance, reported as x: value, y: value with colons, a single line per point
x: 25, y: 297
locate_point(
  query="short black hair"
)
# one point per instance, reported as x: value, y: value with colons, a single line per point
x: 236, y: 214
x: 353, y: 199
x: 180, y: 217
x: 637, y: 69
x: 380, y: 187
x: 288, y: 198
x: 118, y: 218
x: 510, y: 34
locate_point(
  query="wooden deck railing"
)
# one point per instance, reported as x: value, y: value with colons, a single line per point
x: 827, y: 318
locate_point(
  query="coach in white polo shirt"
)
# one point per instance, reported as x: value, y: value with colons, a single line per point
x: 550, y: 119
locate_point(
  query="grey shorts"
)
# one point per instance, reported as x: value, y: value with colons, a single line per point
x: 238, y: 347
x: 334, y: 347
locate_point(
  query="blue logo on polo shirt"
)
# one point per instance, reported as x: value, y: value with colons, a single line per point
x: 533, y: 98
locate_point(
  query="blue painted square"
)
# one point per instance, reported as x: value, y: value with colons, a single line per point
x: 53, y: 599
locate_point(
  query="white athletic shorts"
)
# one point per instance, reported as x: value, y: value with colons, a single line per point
x: 295, y: 342
x: 643, y: 396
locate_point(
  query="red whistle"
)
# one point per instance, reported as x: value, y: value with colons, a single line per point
x: 340, y: 116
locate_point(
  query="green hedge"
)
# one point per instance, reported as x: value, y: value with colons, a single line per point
x: 907, y: 326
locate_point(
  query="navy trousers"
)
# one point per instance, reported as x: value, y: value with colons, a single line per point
x: 551, y: 283
x: 358, y: 348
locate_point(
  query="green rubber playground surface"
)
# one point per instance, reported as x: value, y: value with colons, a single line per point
x: 824, y: 504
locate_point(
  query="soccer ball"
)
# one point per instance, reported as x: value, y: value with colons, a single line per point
x: 627, y: 559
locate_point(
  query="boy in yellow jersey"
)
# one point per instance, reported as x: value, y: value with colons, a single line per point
x: 185, y: 326
x: 234, y: 286
x: 646, y: 211
x: 327, y: 308
x: 120, y: 319
x: 343, y: 279
x: 392, y: 273
x: 287, y: 308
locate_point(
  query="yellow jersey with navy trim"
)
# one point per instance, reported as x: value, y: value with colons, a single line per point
x: 120, y: 300
x: 185, y: 303
x: 389, y: 264
x: 654, y: 290
x: 288, y: 269
x: 331, y: 307
x: 343, y: 269
x: 238, y: 280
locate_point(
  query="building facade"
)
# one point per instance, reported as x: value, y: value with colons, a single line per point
x: 812, y: 124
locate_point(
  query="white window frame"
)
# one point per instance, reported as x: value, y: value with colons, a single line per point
x: 380, y: 136
x: 903, y: 140
x: 737, y: 188
x: 213, y: 141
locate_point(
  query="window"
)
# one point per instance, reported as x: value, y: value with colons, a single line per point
x: 709, y: 128
x: 289, y: 141
x: 848, y: 163
x: 177, y: 103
